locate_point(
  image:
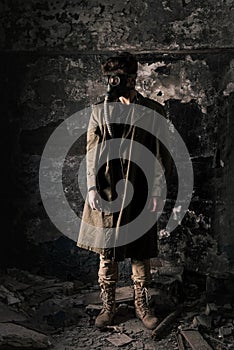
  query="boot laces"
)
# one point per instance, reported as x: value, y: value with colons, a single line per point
x: 107, y: 296
x: 146, y: 295
x: 143, y: 299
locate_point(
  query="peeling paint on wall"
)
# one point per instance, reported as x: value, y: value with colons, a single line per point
x: 187, y: 80
x: 93, y: 26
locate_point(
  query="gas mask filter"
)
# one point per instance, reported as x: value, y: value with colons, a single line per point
x: 116, y: 85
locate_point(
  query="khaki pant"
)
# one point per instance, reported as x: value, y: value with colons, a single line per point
x: 108, y: 271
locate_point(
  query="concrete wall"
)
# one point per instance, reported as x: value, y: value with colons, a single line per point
x: 102, y: 25
x: 50, y: 67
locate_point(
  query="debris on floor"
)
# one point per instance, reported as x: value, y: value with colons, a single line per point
x: 17, y: 336
x: 47, y: 313
x: 195, y: 340
x: 166, y: 323
x: 119, y: 339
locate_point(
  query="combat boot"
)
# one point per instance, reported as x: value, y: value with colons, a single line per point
x: 142, y: 309
x: 105, y: 317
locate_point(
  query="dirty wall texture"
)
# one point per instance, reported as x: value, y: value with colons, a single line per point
x: 50, y: 68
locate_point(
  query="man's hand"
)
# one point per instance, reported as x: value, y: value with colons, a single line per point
x: 155, y: 204
x: 95, y: 200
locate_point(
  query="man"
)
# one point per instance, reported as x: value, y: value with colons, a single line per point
x: 104, y: 173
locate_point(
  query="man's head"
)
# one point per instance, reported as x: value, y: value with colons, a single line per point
x: 120, y: 72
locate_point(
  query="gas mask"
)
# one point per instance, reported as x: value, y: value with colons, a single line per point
x: 116, y: 86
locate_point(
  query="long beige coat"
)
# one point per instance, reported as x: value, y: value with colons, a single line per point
x: 106, y: 232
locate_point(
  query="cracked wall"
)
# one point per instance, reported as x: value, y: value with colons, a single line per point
x: 50, y: 68
x: 99, y: 25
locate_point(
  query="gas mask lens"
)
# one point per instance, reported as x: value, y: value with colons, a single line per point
x: 113, y: 80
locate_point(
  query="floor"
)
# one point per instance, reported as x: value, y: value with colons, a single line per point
x: 47, y: 313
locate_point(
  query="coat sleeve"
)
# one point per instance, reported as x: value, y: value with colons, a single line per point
x: 164, y: 159
x: 92, y: 150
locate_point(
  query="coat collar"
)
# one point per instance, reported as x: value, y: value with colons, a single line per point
x: 138, y: 112
x: 133, y: 114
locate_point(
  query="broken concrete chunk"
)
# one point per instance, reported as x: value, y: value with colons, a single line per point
x: 13, y: 285
x: 227, y: 306
x: 8, y: 296
x: 195, y: 340
x: 3, y: 292
x: 180, y: 342
x: 11, y: 300
x: 202, y: 320
x: 13, y: 335
x: 8, y: 315
x: 119, y: 339
x: 55, y: 314
x: 225, y: 330
x: 210, y: 308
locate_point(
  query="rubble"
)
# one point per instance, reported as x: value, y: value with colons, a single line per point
x: 166, y: 323
x: 180, y: 342
x: 202, y: 320
x: 61, y: 314
x: 195, y: 340
x: 225, y: 330
x: 119, y: 339
x: 5, y: 294
x: 210, y: 308
x: 17, y: 336
x: 9, y: 315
